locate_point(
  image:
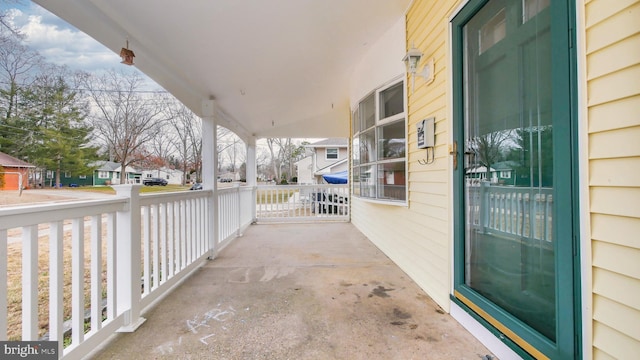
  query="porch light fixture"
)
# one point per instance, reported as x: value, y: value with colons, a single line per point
x: 127, y: 55
x: 412, y: 60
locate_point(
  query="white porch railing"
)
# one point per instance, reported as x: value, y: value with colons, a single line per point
x: 133, y: 249
x: 236, y: 212
x: 302, y: 203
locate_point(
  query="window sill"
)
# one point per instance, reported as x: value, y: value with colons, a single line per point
x: 398, y: 203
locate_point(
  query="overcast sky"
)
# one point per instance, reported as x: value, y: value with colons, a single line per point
x: 61, y: 43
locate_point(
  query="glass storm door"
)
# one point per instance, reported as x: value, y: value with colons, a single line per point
x: 514, y: 229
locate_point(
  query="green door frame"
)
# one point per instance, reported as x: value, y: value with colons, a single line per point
x: 525, y: 341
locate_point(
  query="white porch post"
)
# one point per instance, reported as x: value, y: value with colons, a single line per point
x: 252, y: 173
x: 128, y: 258
x: 210, y: 169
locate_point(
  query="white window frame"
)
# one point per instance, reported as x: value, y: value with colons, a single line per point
x: 379, y: 123
x: 337, y: 153
x: 103, y: 174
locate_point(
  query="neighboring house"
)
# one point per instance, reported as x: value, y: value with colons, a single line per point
x: 327, y: 156
x: 105, y: 173
x: 109, y: 172
x: 173, y: 176
x: 504, y: 173
x: 14, y: 172
x: 304, y: 169
x: 68, y: 179
x: 501, y: 173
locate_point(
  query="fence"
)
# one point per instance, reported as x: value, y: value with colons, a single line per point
x: 99, y: 264
x: 302, y: 203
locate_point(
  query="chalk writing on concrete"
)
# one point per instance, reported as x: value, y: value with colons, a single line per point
x: 202, y: 321
x: 167, y: 348
x: 202, y: 339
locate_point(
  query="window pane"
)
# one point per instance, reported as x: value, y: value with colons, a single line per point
x: 368, y: 147
x: 392, y: 101
x: 332, y: 153
x: 531, y: 8
x: 356, y: 181
x: 355, y: 154
x: 391, y: 181
x: 368, y: 112
x: 493, y: 31
x: 355, y: 121
x: 381, y: 136
x: 391, y: 141
x: 367, y: 181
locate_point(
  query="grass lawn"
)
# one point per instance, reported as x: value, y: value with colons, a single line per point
x: 271, y: 197
x: 143, y: 190
x: 14, y: 283
x: 14, y: 267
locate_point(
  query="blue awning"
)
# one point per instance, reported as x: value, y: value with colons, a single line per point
x: 341, y: 177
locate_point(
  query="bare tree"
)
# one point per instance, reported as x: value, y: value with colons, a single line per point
x: 6, y: 27
x: 284, y: 153
x: 16, y: 65
x: 126, y: 119
x: 185, y: 137
x: 236, y: 152
x: 223, y: 143
x: 487, y: 149
x: 275, y: 152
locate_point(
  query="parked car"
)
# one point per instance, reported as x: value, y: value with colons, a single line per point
x: 196, y: 186
x: 328, y: 203
x: 226, y: 180
x: 154, y: 181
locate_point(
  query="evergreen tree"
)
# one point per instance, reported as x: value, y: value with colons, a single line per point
x: 60, y: 137
x: 533, y: 155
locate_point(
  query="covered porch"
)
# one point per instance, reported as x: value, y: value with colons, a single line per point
x: 297, y: 291
x: 316, y: 288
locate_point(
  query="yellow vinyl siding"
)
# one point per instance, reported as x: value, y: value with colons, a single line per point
x: 613, y: 107
x: 606, y: 172
x: 617, y: 114
x: 616, y: 315
x: 613, y: 58
x: 617, y: 26
x: 418, y: 237
x: 619, y: 259
x: 617, y: 344
x: 597, y: 354
x: 616, y: 85
x: 604, y: 225
x: 608, y: 284
x: 616, y: 201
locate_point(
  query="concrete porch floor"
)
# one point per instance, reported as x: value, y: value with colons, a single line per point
x: 297, y: 291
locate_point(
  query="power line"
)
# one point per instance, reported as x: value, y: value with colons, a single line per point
x: 98, y: 90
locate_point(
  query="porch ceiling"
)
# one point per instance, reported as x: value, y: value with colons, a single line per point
x: 277, y: 68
